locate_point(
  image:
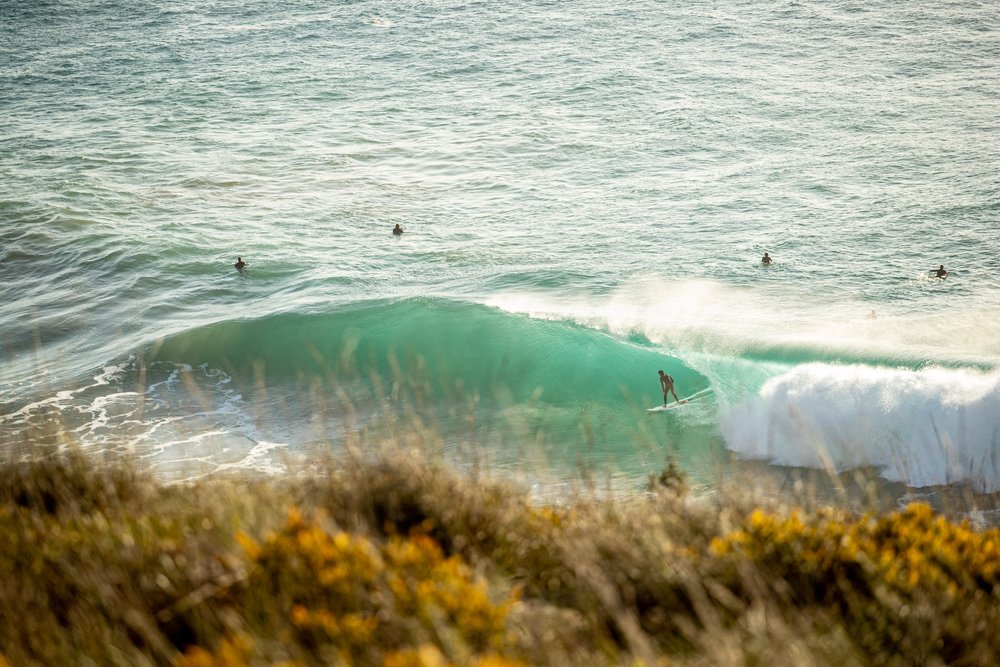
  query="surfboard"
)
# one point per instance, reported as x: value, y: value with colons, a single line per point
x: 682, y: 402
x: 669, y: 406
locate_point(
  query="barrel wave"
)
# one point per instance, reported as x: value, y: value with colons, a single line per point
x: 489, y: 380
x: 442, y: 344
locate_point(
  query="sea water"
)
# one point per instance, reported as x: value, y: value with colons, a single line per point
x: 587, y: 189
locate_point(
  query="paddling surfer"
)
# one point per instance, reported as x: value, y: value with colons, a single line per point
x: 667, y: 384
x: 240, y: 264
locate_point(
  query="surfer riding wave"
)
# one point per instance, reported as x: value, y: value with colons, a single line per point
x: 667, y: 384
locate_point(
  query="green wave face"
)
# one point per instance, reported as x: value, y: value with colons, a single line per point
x: 439, y: 345
x: 516, y: 379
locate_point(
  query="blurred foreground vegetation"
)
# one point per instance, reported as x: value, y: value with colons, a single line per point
x: 393, y: 561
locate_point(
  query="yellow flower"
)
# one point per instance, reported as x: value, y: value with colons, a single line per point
x: 427, y: 655
x: 231, y: 652
x: 249, y: 545
x: 300, y: 615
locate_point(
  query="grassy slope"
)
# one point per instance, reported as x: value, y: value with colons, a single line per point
x: 399, y: 562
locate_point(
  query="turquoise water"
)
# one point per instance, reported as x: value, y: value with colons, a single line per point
x: 587, y: 190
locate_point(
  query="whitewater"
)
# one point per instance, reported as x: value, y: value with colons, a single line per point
x: 587, y: 190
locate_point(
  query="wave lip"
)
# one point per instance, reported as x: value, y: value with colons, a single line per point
x: 928, y: 427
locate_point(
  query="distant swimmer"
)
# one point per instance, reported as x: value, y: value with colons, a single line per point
x: 240, y: 264
x: 941, y: 273
x: 766, y: 259
x: 397, y: 230
x: 871, y: 315
x: 667, y: 385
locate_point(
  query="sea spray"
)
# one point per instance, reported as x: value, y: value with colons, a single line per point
x: 926, y: 427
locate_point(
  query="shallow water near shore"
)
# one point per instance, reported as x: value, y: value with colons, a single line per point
x: 586, y: 191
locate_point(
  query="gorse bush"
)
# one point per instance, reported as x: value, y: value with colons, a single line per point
x: 904, y: 551
x: 398, y: 562
x: 890, y: 577
x: 343, y: 592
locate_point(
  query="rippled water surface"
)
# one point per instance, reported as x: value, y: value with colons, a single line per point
x: 586, y: 189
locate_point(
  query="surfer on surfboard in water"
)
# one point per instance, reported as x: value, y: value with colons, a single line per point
x: 667, y: 384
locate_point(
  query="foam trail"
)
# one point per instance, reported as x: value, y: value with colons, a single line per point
x: 927, y: 427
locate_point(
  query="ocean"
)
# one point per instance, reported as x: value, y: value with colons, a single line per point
x: 586, y: 188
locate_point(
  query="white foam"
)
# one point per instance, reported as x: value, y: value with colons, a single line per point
x: 186, y: 421
x: 705, y: 315
x: 927, y: 427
